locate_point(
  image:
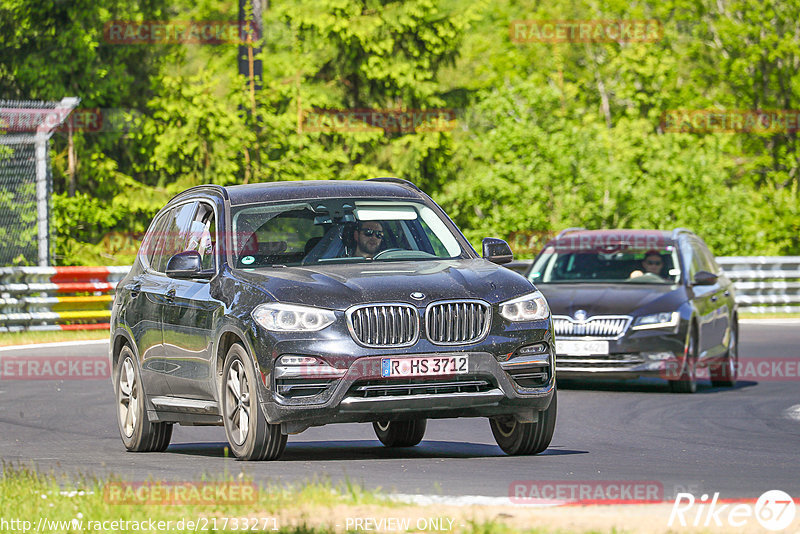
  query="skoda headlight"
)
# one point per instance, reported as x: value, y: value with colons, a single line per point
x: 656, y: 320
x: 278, y: 317
x: 531, y: 307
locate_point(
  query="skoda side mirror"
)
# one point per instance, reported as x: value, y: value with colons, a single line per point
x: 705, y: 278
x: 496, y: 250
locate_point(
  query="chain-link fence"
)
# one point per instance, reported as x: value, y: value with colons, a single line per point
x: 26, y: 180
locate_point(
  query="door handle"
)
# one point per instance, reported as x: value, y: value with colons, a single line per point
x: 170, y: 296
x: 727, y: 293
x: 714, y: 298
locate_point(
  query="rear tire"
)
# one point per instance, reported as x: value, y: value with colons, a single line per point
x: 249, y: 434
x: 137, y: 432
x: 400, y: 433
x: 517, y: 439
x: 725, y: 374
x: 687, y: 381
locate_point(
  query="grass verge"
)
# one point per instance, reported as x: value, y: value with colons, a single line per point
x: 30, y: 501
x: 28, y: 338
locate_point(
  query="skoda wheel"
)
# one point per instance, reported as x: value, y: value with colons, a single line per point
x: 725, y: 374
x: 687, y: 380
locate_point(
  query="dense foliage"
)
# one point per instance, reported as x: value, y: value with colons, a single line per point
x: 546, y: 135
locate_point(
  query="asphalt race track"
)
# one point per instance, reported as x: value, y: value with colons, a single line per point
x: 738, y: 442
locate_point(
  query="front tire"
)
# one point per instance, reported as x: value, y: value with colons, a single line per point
x: 249, y: 434
x: 517, y: 439
x: 725, y: 374
x: 687, y: 381
x: 137, y: 432
x: 400, y: 433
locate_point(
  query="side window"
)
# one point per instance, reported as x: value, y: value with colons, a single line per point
x: 202, y: 235
x: 175, y: 233
x: 154, y: 241
x: 699, y: 258
x: 689, y: 259
x: 709, y: 261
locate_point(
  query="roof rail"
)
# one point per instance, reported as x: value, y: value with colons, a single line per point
x: 394, y: 180
x: 218, y: 188
x: 568, y: 230
x: 677, y: 231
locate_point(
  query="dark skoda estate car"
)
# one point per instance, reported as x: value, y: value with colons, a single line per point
x: 628, y: 303
x: 270, y: 308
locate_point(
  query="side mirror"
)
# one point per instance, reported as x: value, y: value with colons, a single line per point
x: 187, y: 265
x: 496, y: 250
x: 705, y: 278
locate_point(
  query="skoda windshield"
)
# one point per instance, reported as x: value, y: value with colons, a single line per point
x: 338, y: 231
x: 612, y: 264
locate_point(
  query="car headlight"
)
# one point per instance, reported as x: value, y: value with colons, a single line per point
x: 531, y: 307
x: 278, y: 317
x: 656, y: 320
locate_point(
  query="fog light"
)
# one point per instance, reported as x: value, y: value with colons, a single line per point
x: 537, y: 348
x: 287, y: 359
x: 659, y: 356
x: 295, y: 366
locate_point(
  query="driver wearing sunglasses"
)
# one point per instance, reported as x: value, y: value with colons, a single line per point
x: 368, y: 237
x: 652, y: 263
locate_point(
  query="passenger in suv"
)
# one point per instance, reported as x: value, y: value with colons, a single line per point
x: 630, y: 303
x: 246, y: 308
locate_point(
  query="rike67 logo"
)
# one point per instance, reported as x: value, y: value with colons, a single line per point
x: 774, y: 510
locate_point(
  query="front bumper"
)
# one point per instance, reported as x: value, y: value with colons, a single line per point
x: 362, y: 395
x: 634, y: 355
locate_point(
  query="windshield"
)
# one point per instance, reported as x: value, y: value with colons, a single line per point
x: 338, y: 231
x: 653, y: 266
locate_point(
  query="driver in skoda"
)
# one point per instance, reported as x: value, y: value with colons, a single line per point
x: 652, y: 263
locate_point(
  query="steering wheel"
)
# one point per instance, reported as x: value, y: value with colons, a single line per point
x: 382, y: 252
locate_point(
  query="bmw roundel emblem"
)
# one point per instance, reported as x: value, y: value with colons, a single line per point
x: 416, y: 295
x: 580, y: 315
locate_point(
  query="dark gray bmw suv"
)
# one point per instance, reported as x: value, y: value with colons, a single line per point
x: 271, y: 308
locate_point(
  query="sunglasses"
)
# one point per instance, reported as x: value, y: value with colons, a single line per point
x: 369, y: 232
x: 653, y: 262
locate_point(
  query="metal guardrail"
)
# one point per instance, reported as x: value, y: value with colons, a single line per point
x: 79, y: 298
x: 57, y: 298
x: 763, y: 284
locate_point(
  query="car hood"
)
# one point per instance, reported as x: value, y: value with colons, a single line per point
x: 343, y: 285
x: 612, y: 299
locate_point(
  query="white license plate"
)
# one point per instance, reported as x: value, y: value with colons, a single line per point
x: 427, y: 366
x: 581, y: 348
